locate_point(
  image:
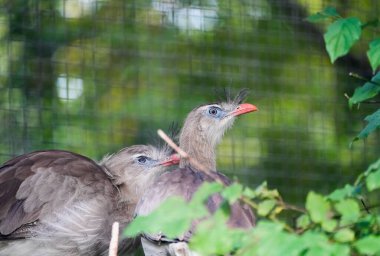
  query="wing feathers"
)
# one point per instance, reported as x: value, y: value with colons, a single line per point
x: 37, y: 184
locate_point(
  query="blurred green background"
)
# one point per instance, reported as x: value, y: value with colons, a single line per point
x: 93, y: 76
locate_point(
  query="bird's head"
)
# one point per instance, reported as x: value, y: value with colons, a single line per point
x: 136, y: 167
x: 206, y: 124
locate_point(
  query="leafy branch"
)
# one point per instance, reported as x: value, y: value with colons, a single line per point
x: 334, y: 224
x: 340, y: 36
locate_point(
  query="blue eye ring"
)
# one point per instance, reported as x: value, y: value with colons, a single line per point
x: 142, y: 159
x: 215, y: 111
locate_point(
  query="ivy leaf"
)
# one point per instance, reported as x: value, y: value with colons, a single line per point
x: 341, y: 36
x: 368, y: 245
x: 232, y: 192
x: 344, y: 235
x: 374, y: 54
x: 328, y: 12
x: 373, y: 124
x: 367, y: 91
x: 317, y: 206
x: 350, y: 211
x: 373, y: 180
x: 265, y: 207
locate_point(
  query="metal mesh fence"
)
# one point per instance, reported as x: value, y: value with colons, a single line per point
x: 94, y: 76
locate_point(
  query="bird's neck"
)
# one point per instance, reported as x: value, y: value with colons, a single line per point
x: 199, y: 148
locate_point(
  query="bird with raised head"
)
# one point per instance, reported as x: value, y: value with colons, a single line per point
x: 202, y: 131
x: 61, y: 203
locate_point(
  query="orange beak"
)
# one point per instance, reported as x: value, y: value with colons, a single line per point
x: 172, y: 160
x: 243, y: 109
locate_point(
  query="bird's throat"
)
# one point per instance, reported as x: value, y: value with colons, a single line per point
x: 199, y: 149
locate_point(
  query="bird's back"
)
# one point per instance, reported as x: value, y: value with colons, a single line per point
x: 184, y: 182
x: 53, y: 192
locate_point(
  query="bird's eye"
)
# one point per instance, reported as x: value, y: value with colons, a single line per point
x: 215, y: 112
x: 142, y: 159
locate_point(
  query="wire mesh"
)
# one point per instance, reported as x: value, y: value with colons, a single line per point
x: 93, y: 76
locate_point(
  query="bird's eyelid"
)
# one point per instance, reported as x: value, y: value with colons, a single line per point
x: 138, y: 155
x: 215, y: 106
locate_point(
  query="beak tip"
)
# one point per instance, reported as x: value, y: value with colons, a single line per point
x: 244, y: 109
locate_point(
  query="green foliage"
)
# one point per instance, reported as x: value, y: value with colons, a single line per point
x: 373, y: 179
x: 341, y: 36
x: 171, y: 222
x: 373, y: 124
x: 369, y: 245
x: 367, y: 91
x: 328, y: 12
x: 331, y: 224
x: 339, y: 194
x: 374, y: 54
x: 318, y: 207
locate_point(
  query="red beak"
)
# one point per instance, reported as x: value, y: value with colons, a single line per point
x: 244, y: 109
x: 172, y: 160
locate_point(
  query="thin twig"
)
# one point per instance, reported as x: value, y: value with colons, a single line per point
x: 365, y: 206
x: 182, y: 153
x: 114, y: 239
x: 171, y: 143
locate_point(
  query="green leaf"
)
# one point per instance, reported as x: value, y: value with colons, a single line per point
x: 265, y: 207
x: 340, y: 249
x: 205, y: 191
x: 213, y: 236
x: 262, y: 191
x: 248, y: 192
x: 374, y: 54
x: 303, y: 221
x: 367, y: 91
x: 373, y: 167
x: 318, y: 244
x: 341, y: 36
x: 344, y: 235
x: 373, y: 180
x: 368, y: 245
x: 329, y: 225
x: 339, y: 194
x: 350, y: 211
x: 373, y: 124
x: 328, y: 12
x: 317, y: 206
x: 269, y: 238
x: 232, y: 192
x: 174, y: 215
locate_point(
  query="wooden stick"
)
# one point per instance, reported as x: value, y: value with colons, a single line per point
x: 171, y: 143
x: 182, y: 153
x: 114, y: 239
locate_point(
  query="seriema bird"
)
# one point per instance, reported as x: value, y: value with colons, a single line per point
x: 202, y: 131
x: 61, y: 203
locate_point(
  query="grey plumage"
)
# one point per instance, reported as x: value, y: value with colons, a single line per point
x: 202, y: 131
x: 64, y: 203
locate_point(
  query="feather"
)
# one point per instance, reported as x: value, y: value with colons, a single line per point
x: 65, y: 203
